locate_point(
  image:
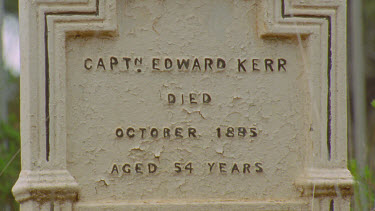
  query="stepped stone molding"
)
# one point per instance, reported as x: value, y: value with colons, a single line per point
x: 318, y: 23
x: 44, y: 177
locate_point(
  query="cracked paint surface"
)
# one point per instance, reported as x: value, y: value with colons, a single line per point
x: 102, y: 100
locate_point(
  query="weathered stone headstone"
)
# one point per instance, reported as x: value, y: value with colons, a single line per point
x: 188, y: 104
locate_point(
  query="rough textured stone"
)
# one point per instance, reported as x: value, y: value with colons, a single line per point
x: 183, y: 104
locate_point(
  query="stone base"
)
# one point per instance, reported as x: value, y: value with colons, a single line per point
x: 326, y: 182
x: 44, y: 186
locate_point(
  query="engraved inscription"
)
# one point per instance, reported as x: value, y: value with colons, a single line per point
x: 188, y: 167
x: 137, y: 168
x: 177, y: 132
x: 198, y: 64
x: 191, y: 98
x: 180, y: 132
x: 222, y: 167
x: 236, y: 132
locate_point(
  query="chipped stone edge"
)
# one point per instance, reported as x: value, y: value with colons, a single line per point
x: 43, y: 186
x: 325, y: 182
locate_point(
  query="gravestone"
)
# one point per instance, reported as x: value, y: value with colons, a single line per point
x: 188, y: 104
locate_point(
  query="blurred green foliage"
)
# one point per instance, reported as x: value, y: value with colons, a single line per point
x: 369, y: 9
x: 10, y: 164
x: 367, y: 180
x: 9, y: 160
x: 369, y: 37
x: 11, y: 6
x: 9, y: 147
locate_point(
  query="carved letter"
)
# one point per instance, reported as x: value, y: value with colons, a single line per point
x: 114, y: 168
x: 196, y: 64
x: 171, y: 98
x: 168, y: 63
x: 240, y: 65
x: 268, y: 64
x: 88, y: 67
x: 101, y: 64
x: 206, y: 98
x: 183, y: 63
x: 152, y: 168
x: 220, y: 63
x: 281, y: 64
x: 113, y: 61
x: 208, y: 63
x: 155, y: 62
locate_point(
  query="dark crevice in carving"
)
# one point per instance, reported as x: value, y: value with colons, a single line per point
x: 46, y: 75
x: 52, y: 206
x: 47, y: 70
x: 332, y: 205
x: 329, y: 70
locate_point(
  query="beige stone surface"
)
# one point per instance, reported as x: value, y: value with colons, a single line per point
x: 112, y: 117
